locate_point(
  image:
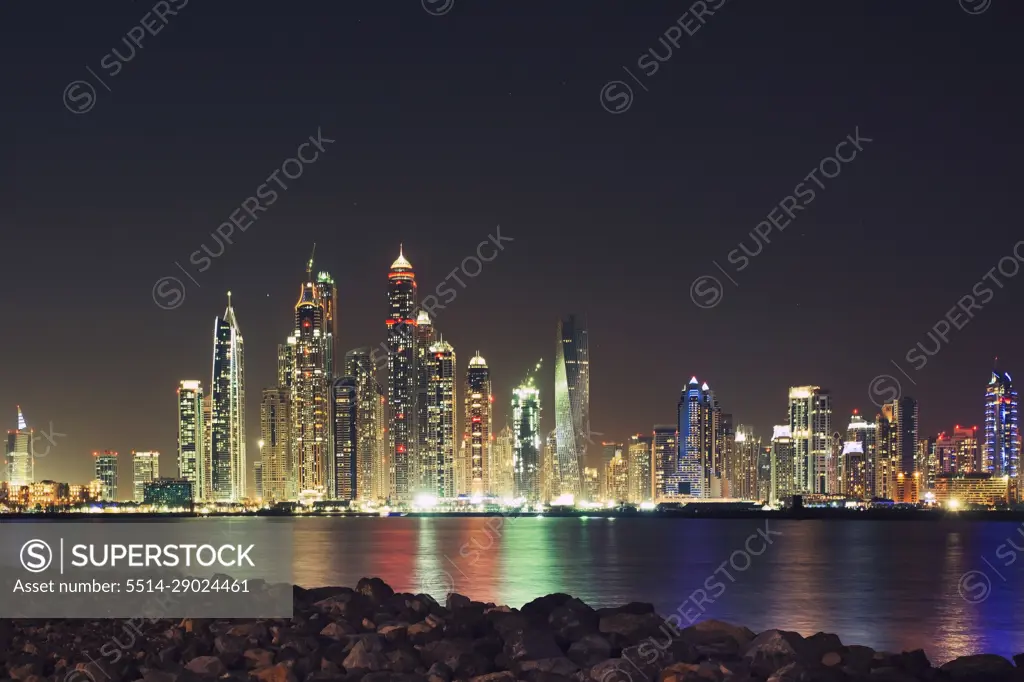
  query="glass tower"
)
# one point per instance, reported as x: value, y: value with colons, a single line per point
x: 310, y: 396
x: 441, y: 418
x: 20, y: 456
x: 478, y: 424
x: 527, y: 441
x: 572, y: 402
x: 1001, y: 451
x: 402, y: 379
x: 227, y: 407
x: 191, y: 440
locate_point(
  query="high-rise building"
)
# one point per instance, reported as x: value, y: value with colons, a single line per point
x: 572, y: 401
x: 276, y: 453
x: 641, y: 484
x: 785, y: 465
x: 550, y: 486
x: 257, y: 470
x: 106, y: 473
x: 424, y: 336
x: 206, y: 491
x: 345, y: 415
x: 145, y: 469
x: 905, y: 435
x: 810, y: 423
x: 855, y: 472
x: 1001, y: 451
x: 19, y: 458
x: 834, y: 465
x: 927, y: 462
x: 764, y: 473
x: 478, y: 424
x: 372, y: 480
x: 886, y: 464
x: 608, y: 452
x: 725, y: 452
x: 747, y: 447
x: 227, y: 437
x: 527, y: 443
x: 957, y: 452
x: 616, y: 479
x: 191, y: 436
x: 665, y: 447
x: 502, y: 464
x: 328, y: 291
x: 401, y: 326
x: 863, y: 432
x: 438, y: 461
x: 310, y: 395
x: 701, y: 466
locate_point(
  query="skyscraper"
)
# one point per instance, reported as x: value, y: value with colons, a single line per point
x: 834, y: 465
x: 402, y: 378
x: 371, y: 484
x: 641, y: 486
x: 145, y: 469
x: 438, y: 462
x: 332, y: 359
x: 616, y: 479
x: 227, y: 433
x: 855, y: 480
x: 275, y: 432
x: 886, y: 464
x: 1001, y: 451
x: 747, y: 449
x: 502, y: 464
x: 810, y: 424
x: 550, y: 487
x: 699, y: 424
x: 905, y: 435
x: 863, y: 432
x: 106, y: 473
x: 310, y: 396
x: 784, y: 459
x: 191, y: 437
x: 345, y: 414
x: 572, y: 401
x: 665, y: 446
x: 206, y: 492
x: 478, y: 424
x: 20, y: 455
x: 527, y: 443
x: 424, y: 336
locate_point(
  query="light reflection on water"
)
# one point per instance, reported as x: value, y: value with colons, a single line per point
x: 889, y: 585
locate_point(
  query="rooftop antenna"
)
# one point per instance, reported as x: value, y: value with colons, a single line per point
x: 309, y: 266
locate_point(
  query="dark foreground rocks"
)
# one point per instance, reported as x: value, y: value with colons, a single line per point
x: 372, y: 634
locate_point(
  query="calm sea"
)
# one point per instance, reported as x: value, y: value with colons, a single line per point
x: 950, y: 588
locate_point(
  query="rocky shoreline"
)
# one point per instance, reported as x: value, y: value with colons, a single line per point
x: 372, y: 634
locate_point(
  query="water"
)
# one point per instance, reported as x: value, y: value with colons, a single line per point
x: 951, y: 588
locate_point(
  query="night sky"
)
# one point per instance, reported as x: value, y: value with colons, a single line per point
x: 448, y: 125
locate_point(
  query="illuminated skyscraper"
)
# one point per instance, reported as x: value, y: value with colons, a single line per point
x: 345, y: 414
x: 310, y: 395
x: 784, y: 460
x: 957, y: 452
x: 764, y: 473
x: 616, y: 479
x: 227, y: 433
x: 550, y: 486
x: 699, y: 424
x: 810, y: 424
x: 641, y: 485
x: 747, y: 449
x: 855, y: 480
x: 441, y: 422
x: 206, y: 492
x: 425, y: 336
x: 665, y: 446
x: 20, y: 455
x: 145, y: 469
x: 191, y: 440
x: 863, y: 432
x: 502, y: 464
x: 1001, y: 451
x: 332, y: 360
x: 886, y: 464
x: 106, y: 473
x: 478, y: 424
x: 572, y: 401
x: 275, y: 432
x: 402, y: 378
x: 372, y: 481
x: 527, y: 442
x: 834, y: 465
x: 905, y: 435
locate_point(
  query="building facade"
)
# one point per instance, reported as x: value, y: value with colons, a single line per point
x: 438, y: 474
x: 19, y: 460
x: 401, y: 341
x: 145, y: 469
x: 810, y: 424
x: 191, y: 436
x: 276, y: 453
x: 478, y: 424
x: 526, y: 448
x: 641, y: 473
x: 105, y: 468
x: 345, y: 436
x: 227, y: 419
x: 786, y: 473
x: 1001, y: 450
x: 572, y: 401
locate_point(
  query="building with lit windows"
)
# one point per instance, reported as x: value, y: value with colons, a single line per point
x: 572, y: 401
x: 905, y: 436
x: 48, y: 495
x: 956, y: 452
x: 19, y: 460
x: 550, y: 487
x: 502, y: 464
x: 478, y: 424
x: 616, y: 479
x: 439, y: 459
x: 227, y: 430
x: 641, y: 485
x: 311, y: 393
x: 191, y: 435
x: 810, y: 425
x: 106, y: 473
x: 372, y: 480
x: 665, y: 449
x: 173, y: 493
x: 862, y: 431
x: 764, y: 473
x: 725, y: 452
x: 526, y: 440
x: 958, y: 490
x: 276, y: 451
x: 700, y: 464
x: 424, y: 336
x: 591, y: 484
x: 908, y: 488
x: 785, y: 466
x: 747, y: 447
x: 886, y: 464
x: 401, y: 327
x: 855, y: 473
x: 1001, y: 450
x: 145, y: 468
x: 345, y: 434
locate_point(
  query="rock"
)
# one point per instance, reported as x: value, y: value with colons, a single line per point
x: 230, y: 644
x: 857, y: 660
x: 589, y: 650
x: 556, y: 666
x: 891, y: 674
x: 791, y: 672
x: 573, y: 619
x: 439, y: 672
x: 151, y: 675
x: 831, y: 659
x: 819, y: 644
x: 393, y: 633
x: 713, y: 630
x: 632, y: 627
x: 457, y: 601
x: 386, y: 676
x: 914, y: 662
x: 980, y: 668
x: 338, y: 630
x: 282, y: 672
x: 376, y: 589
x: 615, y: 670
x: 539, y: 610
x: 528, y: 645
x: 423, y: 633
x: 258, y: 658
x: 24, y: 671
x: 504, y: 676
x: 365, y: 655
x: 402, y: 660
x: 1018, y: 660
x: 775, y: 649
x: 206, y: 666
x: 678, y: 672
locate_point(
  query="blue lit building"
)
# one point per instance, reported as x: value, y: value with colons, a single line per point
x: 1001, y: 453
x: 699, y: 457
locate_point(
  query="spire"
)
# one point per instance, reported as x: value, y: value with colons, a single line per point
x: 401, y: 263
x: 21, y: 420
x: 309, y: 265
x: 693, y: 380
x: 229, y: 314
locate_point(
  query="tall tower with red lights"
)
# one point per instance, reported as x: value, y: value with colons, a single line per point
x: 401, y: 325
